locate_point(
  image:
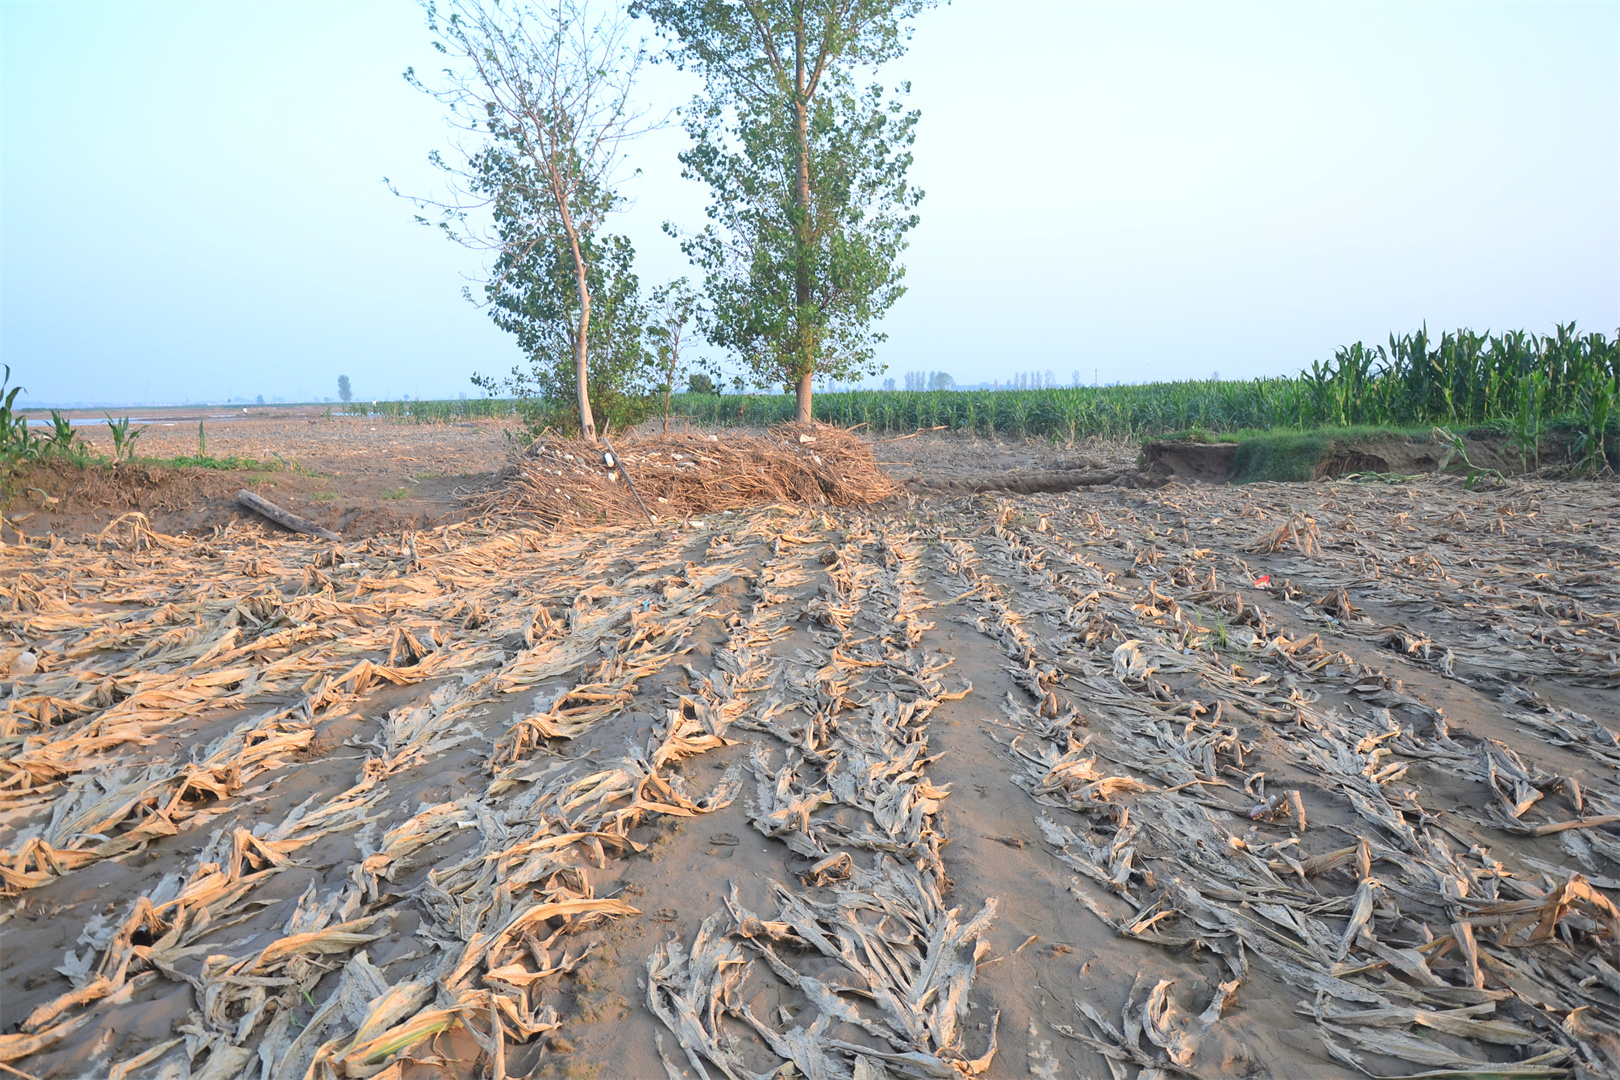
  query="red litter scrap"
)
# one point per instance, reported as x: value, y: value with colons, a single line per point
x: 1263, y: 581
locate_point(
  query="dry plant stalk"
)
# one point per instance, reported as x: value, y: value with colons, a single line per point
x: 1299, y: 529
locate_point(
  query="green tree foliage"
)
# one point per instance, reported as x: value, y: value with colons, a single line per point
x: 534, y: 296
x: 345, y: 391
x: 700, y: 383
x: 807, y: 171
x: 545, y: 91
x: 674, y: 306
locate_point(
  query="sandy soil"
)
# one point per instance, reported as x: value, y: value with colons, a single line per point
x: 354, y: 475
x: 933, y: 461
x: 1274, y: 781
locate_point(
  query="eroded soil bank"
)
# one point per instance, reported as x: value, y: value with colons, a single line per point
x: 1328, y: 454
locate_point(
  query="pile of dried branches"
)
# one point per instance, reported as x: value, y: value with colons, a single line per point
x: 683, y: 475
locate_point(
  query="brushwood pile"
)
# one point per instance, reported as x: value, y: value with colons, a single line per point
x: 675, y: 476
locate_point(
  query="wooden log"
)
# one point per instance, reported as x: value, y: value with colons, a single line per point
x: 281, y: 517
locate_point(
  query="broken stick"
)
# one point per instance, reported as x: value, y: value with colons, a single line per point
x: 619, y: 463
x: 281, y: 517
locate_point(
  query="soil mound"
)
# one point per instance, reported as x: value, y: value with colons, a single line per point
x: 681, y: 475
x: 1408, y: 456
x: 1299, y: 456
x: 1210, y: 463
x: 66, y: 488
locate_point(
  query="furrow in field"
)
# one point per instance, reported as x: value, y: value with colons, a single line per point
x: 876, y: 963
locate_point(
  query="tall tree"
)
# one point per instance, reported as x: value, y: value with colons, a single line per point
x: 532, y: 297
x: 810, y: 204
x: 545, y: 91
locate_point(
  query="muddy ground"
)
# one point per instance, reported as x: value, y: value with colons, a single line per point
x: 1274, y: 781
x: 356, y: 475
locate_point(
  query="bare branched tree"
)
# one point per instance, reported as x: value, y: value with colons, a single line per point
x: 541, y: 97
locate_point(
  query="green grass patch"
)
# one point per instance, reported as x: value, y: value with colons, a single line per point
x: 1343, y: 434
x: 1288, y: 456
x: 209, y: 461
x: 396, y: 493
x: 325, y: 496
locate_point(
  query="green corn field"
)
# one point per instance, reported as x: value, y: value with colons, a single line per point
x: 437, y: 412
x: 1523, y: 383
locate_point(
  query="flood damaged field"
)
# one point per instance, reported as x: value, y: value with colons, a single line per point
x: 1188, y: 781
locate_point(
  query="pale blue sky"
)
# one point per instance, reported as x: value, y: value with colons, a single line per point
x: 191, y: 202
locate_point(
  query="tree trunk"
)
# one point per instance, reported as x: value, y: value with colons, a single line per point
x: 805, y: 361
x: 669, y: 391
x: 801, y: 393
x: 587, y: 423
